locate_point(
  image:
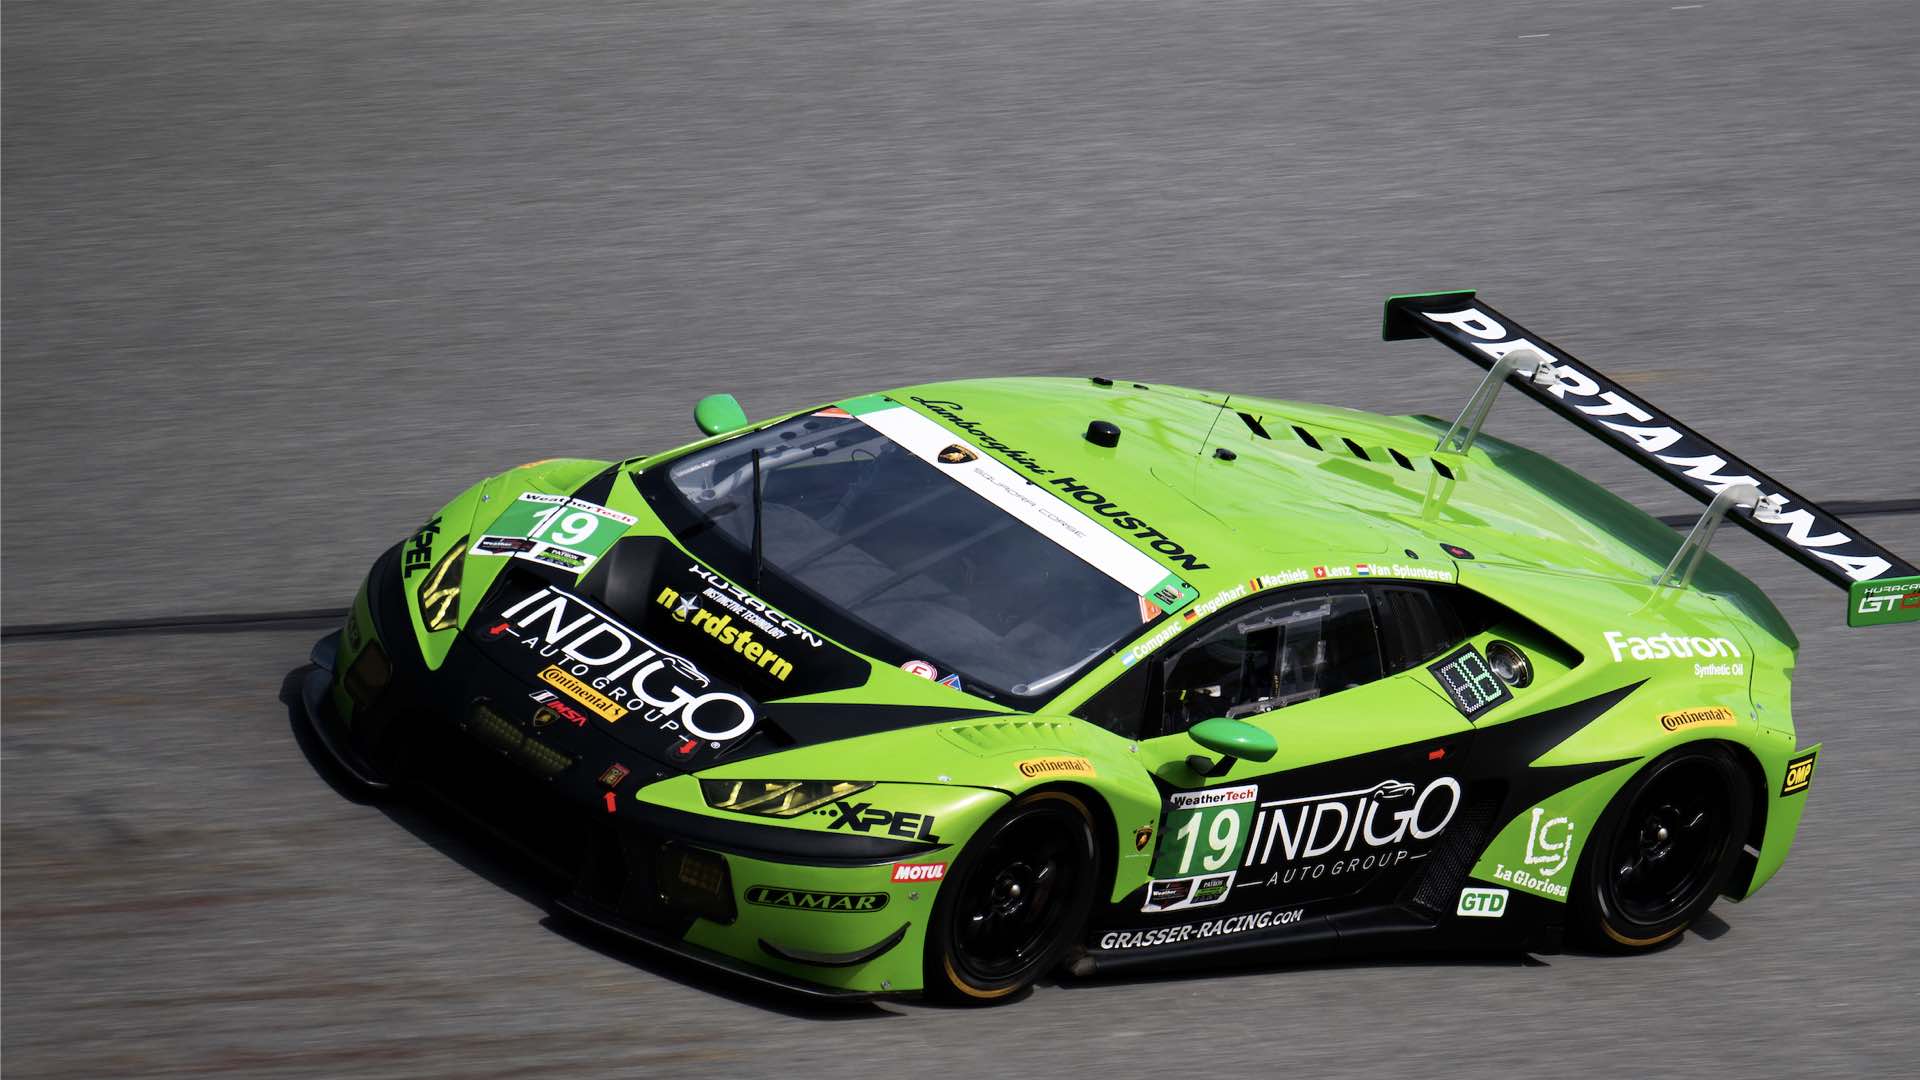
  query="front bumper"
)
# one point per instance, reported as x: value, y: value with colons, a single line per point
x: 614, y: 847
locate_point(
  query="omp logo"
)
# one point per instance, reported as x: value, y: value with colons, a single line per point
x: 1712, y: 716
x: 1799, y: 775
x: 1066, y: 766
x: 1667, y: 646
x: 1482, y: 903
x: 803, y: 900
x: 596, y: 653
x: 1653, y: 436
x: 932, y: 871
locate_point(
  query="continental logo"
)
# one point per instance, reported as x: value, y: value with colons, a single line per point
x: 803, y: 900
x: 1799, y: 775
x: 721, y: 628
x: 595, y: 701
x: 1711, y: 716
x: 1056, y: 766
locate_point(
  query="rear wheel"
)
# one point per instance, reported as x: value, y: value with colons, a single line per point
x: 1663, y: 850
x: 1016, y: 900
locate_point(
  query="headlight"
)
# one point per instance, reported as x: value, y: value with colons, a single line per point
x: 777, y: 798
x: 440, y: 593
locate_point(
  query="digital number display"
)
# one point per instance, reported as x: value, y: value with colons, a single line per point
x: 1469, y: 682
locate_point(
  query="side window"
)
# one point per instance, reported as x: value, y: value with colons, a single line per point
x: 1271, y: 656
x: 1418, y: 623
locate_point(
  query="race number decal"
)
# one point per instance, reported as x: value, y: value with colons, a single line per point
x: 554, y: 530
x: 1470, y: 684
x: 1205, y: 831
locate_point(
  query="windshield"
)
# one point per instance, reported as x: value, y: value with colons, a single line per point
x: 980, y: 586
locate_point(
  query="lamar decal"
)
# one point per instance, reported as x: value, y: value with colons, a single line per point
x: 802, y: 900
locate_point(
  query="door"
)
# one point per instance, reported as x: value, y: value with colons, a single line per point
x: 1367, y: 779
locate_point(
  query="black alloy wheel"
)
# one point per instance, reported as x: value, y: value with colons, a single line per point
x: 1017, y: 899
x: 1664, y: 849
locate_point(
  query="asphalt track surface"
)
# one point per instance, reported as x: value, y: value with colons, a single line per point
x: 279, y: 278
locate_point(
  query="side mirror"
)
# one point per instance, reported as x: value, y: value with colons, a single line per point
x: 1230, y: 739
x: 718, y: 414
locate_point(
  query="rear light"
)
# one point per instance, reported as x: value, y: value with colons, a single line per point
x: 367, y: 679
x: 694, y: 881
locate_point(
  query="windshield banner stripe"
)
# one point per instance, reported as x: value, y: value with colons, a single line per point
x: 1027, y: 502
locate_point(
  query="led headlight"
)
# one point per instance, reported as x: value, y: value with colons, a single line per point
x: 439, y: 593
x: 777, y: 798
x: 1509, y: 663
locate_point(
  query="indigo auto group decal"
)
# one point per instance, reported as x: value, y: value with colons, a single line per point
x: 1031, y: 506
x: 608, y: 668
x: 1217, y: 840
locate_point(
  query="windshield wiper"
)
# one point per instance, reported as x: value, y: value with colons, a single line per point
x: 759, y: 547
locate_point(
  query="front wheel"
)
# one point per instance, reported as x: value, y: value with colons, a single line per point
x: 1663, y: 850
x: 1017, y: 898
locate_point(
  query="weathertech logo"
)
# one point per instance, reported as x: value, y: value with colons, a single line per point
x: 1060, y: 766
x: 1713, y: 716
x: 932, y: 871
x: 1799, y: 775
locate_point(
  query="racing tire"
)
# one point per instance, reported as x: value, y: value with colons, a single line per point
x: 1016, y: 900
x: 1662, y: 851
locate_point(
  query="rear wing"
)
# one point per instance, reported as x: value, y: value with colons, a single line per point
x: 1882, y: 586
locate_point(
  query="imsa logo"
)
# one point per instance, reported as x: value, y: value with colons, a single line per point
x: 803, y: 900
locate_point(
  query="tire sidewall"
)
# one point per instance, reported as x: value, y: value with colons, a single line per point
x: 1598, y: 924
x: 943, y: 978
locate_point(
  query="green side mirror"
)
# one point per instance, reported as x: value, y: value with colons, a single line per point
x: 1234, y: 738
x: 718, y: 414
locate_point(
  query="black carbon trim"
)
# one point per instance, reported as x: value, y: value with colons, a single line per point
x: 776, y: 843
x: 742, y: 969
x: 834, y: 960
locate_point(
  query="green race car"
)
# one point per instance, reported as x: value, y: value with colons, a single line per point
x: 946, y: 688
